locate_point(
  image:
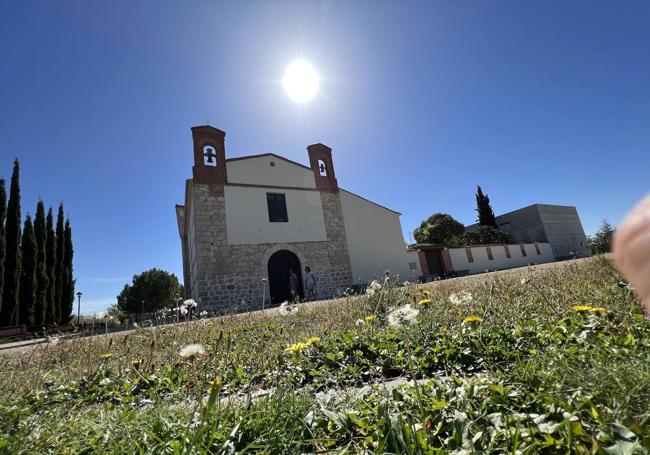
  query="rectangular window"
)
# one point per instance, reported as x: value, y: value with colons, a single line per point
x: 507, y: 250
x: 277, y: 204
x: 523, y: 249
x: 537, y: 249
x: 488, y: 250
x: 468, y: 252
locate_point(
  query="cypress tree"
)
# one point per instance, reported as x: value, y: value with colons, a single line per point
x: 484, y: 209
x: 40, y: 232
x: 68, y: 281
x: 58, y: 270
x: 50, y: 266
x: 12, y: 253
x: 27, y: 294
x: 3, y: 214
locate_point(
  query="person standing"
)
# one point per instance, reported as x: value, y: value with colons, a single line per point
x: 310, y: 285
x: 293, y: 285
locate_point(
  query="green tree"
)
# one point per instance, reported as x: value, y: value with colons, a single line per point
x: 68, y: 280
x: 149, y: 291
x: 50, y: 265
x: 439, y: 228
x: 27, y: 294
x: 601, y: 241
x: 58, y: 270
x: 11, y: 288
x: 484, y: 209
x: 484, y: 235
x: 120, y: 315
x: 40, y: 233
x: 3, y: 214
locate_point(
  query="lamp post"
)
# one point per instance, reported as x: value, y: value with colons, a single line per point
x: 79, y: 294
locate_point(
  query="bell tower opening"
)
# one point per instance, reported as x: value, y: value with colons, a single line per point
x: 209, y: 155
x: 320, y: 159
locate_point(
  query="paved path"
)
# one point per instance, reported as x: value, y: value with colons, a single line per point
x: 23, y: 346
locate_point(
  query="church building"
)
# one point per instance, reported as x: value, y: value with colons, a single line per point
x: 248, y: 221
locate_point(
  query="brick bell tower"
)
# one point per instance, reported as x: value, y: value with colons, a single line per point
x: 320, y: 160
x: 209, y: 156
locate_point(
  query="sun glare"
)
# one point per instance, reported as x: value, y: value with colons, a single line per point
x: 301, y: 81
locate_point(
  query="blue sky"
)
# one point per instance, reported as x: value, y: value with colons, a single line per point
x: 543, y: 102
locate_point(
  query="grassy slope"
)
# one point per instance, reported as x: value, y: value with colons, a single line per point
x: 534, y: 376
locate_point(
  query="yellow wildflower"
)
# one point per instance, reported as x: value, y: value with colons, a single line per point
x: 135, y: 363
x: 296, y: 348
x: 106, y: 356
x: 424, y: 301
x: 471, y: 319
x: 588, y: 309
x: 312, y: 340
x: 370, y: 318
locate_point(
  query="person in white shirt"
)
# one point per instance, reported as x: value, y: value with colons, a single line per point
x: 310, y: 285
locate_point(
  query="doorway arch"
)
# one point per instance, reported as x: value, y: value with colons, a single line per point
x: 279, y: 265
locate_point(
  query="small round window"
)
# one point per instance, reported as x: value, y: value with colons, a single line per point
x: 272, y: 163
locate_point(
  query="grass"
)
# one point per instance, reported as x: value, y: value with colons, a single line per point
x: 530, y: 374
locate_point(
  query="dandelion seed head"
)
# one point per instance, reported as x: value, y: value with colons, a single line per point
x: 461, y: 298
x: 404, y: 315
x: 192, y: 350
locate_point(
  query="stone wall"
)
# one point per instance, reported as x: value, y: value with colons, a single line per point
x: 230, y: 277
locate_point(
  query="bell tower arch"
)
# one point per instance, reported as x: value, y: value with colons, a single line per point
x: 209, y: 155
x: 320, y: 160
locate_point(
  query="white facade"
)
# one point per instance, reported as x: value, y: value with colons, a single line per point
x: 481, y: 262
x: 248, y: 222
x: 375, y: 241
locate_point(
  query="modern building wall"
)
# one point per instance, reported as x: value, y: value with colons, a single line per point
x: 375, y: 241
x: 481, y: 261
x: 558, y: 225
x: 523, y: 225
x: 563, y: 230
x: 247, y: 216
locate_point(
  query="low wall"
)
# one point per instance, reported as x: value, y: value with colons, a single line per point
x: 476, y: 259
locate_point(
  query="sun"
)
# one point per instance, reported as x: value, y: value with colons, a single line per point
x: 301, y: 81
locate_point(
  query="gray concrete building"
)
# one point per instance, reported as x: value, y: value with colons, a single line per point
x: 558, y: 225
